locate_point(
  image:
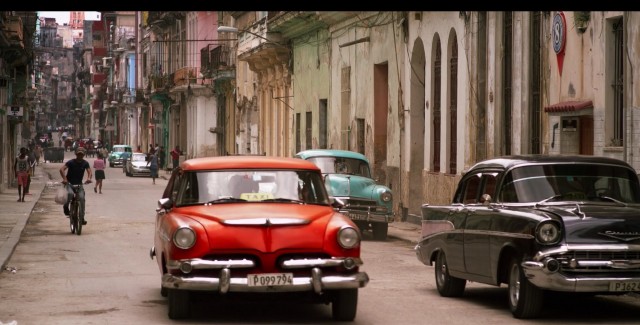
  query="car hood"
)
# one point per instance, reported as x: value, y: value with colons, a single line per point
x: 350, y: 185
x: 267, y: 227
x: 600, y: 224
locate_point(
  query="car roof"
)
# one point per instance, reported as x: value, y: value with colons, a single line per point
x: 331, y: 153
x: 507, y: 162
x: 248, y: 162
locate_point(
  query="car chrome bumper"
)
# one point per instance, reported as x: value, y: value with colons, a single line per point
x: 316, y: 282
x: 226, y: 283
x: 539, y: 274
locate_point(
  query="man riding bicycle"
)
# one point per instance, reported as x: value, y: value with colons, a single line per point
x: 74, y: 169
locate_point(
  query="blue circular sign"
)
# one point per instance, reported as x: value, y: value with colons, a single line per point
x: 559, y: 31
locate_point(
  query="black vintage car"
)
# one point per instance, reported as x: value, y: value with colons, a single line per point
x: 537, y: 223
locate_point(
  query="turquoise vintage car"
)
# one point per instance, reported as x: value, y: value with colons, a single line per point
x: 348, y: 179
x: 116, y: 156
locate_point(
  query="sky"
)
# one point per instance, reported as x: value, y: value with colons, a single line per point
x: 62, y: 17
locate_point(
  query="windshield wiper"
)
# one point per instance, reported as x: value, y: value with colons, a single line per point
x: 280, y: 199
x: 553, y: 197
x: 226, y: 199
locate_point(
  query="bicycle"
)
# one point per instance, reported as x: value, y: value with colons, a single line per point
x: 76, y: 219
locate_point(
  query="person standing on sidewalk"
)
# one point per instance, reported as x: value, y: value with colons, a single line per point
x: 153, y: 166
x: 175, y: 157
x: 21, y: 169
x: 161, y: 155
x: 99, y: 166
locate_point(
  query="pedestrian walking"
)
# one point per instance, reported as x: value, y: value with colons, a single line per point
x: 21, y: 170
x: 31, y: 158
x: 99, y: 166
x: 175, y: 157
x: 38, y: 153
x: 104, y: 153
x: 153, y: 166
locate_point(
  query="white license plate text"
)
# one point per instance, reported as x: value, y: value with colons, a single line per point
x: 269, y: 279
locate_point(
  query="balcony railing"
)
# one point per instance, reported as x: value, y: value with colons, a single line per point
x: 221, y: 57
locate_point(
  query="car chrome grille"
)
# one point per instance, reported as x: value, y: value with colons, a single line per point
x: 358, y: 204
x: 593, y: 261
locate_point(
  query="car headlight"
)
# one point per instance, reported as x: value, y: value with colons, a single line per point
x: 184, y: 238
x: 548, y: 232
x: 348, y: 237
x: 386, y: 196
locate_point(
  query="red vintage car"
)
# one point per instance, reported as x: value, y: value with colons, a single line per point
x: 255, y: 225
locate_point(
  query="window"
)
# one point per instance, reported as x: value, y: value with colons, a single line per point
x: 453, y: 106
x: 322, y: 125
x: 436, y: 107
x: 308, y: 129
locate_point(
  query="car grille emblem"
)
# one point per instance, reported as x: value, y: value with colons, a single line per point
x: 622, y: 235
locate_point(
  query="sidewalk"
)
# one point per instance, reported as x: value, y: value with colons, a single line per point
x: 14, y: 216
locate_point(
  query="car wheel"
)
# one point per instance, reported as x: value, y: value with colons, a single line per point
x: 380, y: 230
x: 344, y: 305
x: 525, y: 299
x: 178, y: 303
x: 448, y: 286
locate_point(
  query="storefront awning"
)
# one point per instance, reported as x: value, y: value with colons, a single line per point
x: 569, y: 106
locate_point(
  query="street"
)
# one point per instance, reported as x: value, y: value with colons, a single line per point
x: 105, y: 276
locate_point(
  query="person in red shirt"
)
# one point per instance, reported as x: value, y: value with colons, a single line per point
x: 175, y: 156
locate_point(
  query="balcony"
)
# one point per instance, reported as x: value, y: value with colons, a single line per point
x: 221, y: 57
x: 182, y: 76
x: 15, y: 30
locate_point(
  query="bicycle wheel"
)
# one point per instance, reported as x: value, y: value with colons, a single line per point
x: 79, y: 219
x: 72, y: 216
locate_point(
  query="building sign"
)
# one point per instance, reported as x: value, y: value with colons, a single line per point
x: 15, y: 113
x: 559, y: 39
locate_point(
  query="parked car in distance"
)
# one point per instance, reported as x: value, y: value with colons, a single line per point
x: 537, y: 223
x: 348, y: 179
x: 212, y: 235
x: 115, y: 156
x: 136, y: 165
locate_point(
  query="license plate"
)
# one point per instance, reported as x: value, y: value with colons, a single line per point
x: 355, y: 216
x: 270, y: 279
x: 624, y: 286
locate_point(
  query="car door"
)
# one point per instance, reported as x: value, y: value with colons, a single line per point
x: 478, y: 257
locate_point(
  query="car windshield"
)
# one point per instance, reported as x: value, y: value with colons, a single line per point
x: 226, y: 186
x: 340, y: 165
x: 562, y: 182
x: 118, y: 149
x: 138, y: 157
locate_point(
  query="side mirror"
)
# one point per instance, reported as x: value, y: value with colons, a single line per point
x: 164, y: 203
